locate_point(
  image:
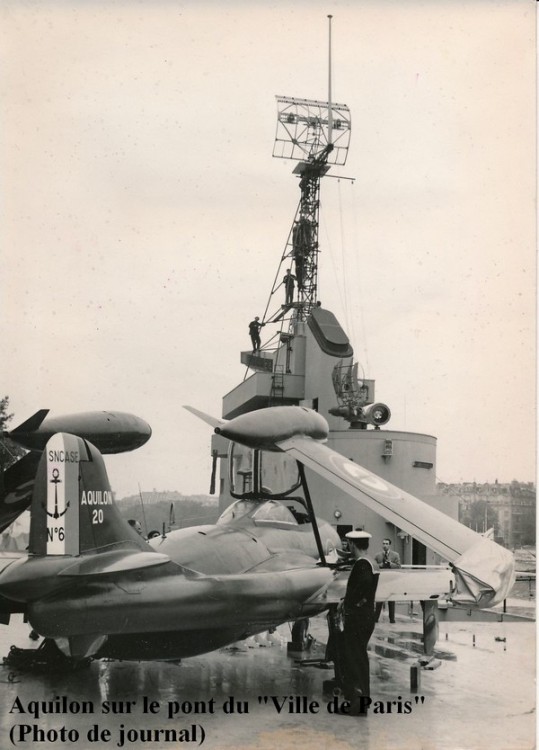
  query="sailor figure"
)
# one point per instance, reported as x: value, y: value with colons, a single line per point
x: 359, y: 620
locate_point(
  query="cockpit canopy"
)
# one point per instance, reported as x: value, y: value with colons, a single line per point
x: 290, y: 512
x: 261, y: 473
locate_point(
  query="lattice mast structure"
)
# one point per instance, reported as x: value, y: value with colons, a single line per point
x: 317, y: 134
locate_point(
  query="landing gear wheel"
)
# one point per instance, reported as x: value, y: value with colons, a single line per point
x: 301, y: 639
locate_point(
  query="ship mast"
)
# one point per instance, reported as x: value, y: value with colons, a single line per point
x: 317, y: 134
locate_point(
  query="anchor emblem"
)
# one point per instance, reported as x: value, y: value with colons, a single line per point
x: 56, y: 481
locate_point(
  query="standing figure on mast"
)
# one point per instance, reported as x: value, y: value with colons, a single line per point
x: 301, y: 245
x: 289, y: 285
x: 254, y: 333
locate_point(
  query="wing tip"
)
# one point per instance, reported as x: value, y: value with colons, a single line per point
x: 212, y: 421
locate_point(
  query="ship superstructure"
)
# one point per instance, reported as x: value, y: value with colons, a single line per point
x: 308, y: 359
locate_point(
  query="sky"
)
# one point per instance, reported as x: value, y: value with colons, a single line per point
x: 143, y: 218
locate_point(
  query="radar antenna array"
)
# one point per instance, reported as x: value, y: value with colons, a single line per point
x: 303, y: 132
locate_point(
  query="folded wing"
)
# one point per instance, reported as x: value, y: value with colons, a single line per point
x: 484, y: 571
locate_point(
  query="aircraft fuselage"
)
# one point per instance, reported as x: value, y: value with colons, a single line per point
x: 221, y: 583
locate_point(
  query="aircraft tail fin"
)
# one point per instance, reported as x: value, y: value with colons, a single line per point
x: 31, y: 424
x: 73, y: 510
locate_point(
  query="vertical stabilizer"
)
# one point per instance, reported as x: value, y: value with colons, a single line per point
x: 73, y: 510
x: 54, y: 528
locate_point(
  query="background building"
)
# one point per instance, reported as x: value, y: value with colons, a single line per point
x: 509, y: 509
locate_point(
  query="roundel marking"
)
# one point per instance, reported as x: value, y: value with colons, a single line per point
x: 364, y: 477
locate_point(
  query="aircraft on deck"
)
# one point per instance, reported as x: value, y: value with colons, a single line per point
x: 90, y: 583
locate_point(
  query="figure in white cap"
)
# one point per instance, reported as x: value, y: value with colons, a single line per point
x: 359, y: 617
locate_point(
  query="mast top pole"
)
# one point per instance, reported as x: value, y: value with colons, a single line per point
x: 330, y: 109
